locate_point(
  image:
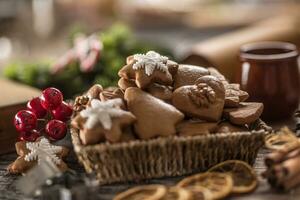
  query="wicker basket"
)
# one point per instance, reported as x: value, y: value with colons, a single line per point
x: 163, y: 157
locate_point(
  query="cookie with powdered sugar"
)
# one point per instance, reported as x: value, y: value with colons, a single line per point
x: 32, y: 153
x: 103, y: 121
x: 149, y: 68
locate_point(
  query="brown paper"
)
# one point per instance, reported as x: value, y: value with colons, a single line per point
x: 222, y: 51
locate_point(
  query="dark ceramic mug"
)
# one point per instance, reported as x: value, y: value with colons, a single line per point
x: 269, y: 73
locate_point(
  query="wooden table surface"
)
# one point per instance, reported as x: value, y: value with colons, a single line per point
x: 8, y: 190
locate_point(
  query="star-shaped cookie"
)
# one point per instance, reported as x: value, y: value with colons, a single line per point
x: 154, y: 116
x: 234, y: 95
x: 148, y: 68
x: 103, y: 120
x: 31, y: 153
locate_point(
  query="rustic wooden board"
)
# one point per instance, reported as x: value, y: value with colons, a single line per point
x: 13, y: 97
x: 13, y: 93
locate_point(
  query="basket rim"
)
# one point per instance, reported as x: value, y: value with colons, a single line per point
x: 78, y: 146
x: 103, y: 159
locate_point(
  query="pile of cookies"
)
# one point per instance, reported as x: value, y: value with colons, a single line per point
x: 157, y: 97
x: 229, y: 177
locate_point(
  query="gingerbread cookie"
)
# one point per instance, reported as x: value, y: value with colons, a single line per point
x: 160, y: 91
x: 128, y: 134
x: 226, y: 127
x: 94, y: 91
x: 92, y: 136
x: 148, y: 68
x: 214, y: 72
x: 246, y: 113
x: 126, y: 83
x: 172, y: 67
x: 103, y: 120
x: 154, y: 116
x: 204, y: 100
x: 129, y: 59
x: 111, y: 93
x: 188, y: 74
x: 32, y: 153
x: 98, y: 134
x: 233, y: 94
x: 80, y: 103
x: 196, y: 127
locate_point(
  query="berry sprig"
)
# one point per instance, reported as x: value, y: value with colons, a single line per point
x: 50, y: 109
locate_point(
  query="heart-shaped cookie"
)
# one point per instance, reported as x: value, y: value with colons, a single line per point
x: 204, y: 100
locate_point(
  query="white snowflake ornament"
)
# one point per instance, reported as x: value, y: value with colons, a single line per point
x: 102, y: 113
x: 150, y: 61
x: 42, y: 150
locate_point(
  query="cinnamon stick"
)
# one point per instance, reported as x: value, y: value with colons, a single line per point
x: 291, y: 182
x: 279, y: 172
x: 283, y: 164
x: 279, y: 156
x: 274, y: 157
x: 297, y: 113
x: 293, y: 154
x: 291, y: 166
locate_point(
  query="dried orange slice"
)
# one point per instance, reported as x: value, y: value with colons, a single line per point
x: 147, y: 192
x: 177, y: 193
x: 219, y: 184
x: 283, y: 140
x: 200, y: 193
x: 243, y: 176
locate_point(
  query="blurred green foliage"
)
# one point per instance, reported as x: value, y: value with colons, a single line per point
x: 118, y: 43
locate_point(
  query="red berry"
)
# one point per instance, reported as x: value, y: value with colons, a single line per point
x: 56, y: 129
x: 63, y: 112
x: 51, y: 98
x: 29, y: 136
x: 36, y: 107
x: 25, y: 120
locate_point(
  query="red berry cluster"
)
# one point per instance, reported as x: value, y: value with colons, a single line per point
x: 49, y: 105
